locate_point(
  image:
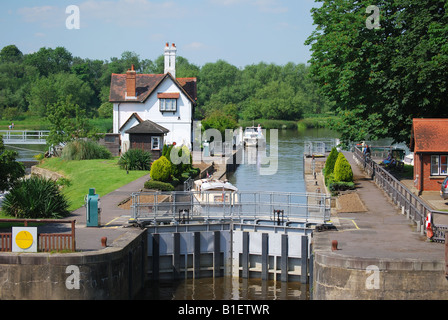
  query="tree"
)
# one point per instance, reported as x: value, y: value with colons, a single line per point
x: 10, y: 170
x: 161, y: 170
x: 10, y: 54
x: 380, y: 79
x: 68, y: 122
x: 342, y: 169
x: 331, y: 161
x: 49, y: 61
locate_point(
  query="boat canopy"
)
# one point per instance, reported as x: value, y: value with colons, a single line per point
x: 218, y: 186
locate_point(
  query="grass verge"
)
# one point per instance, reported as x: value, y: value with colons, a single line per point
x: 103, y: 175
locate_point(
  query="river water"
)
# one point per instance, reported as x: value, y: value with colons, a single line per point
x: 253, y: 174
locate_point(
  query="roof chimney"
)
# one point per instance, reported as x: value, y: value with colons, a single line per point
x: 131, y: 83
x: 170, y: 59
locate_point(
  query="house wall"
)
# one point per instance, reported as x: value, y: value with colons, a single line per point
x: 430, y: 183
x: 179, y: 122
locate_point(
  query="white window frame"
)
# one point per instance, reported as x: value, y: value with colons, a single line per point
x: 168, y: 105
x: 159, y: 141
x: 437, y: 167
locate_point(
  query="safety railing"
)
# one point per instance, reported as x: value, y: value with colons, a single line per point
x: 24, y: 136
x: 46, y: 241
x: 225, y: 205
x: 414, y: 207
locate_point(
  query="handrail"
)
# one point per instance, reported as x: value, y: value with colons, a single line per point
x: 415, y: 207
x: 212, y: 205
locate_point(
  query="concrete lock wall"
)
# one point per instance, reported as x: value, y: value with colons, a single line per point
x: 346, y: 278
x: 115, y: 272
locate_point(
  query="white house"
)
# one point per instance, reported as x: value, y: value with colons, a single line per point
x: 159, y: 106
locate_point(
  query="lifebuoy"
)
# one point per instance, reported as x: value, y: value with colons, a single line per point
x: 428, y: 226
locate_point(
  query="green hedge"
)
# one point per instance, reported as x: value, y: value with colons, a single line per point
x: 158, y: 185
x: 342, y: 169
x: 161, y: 170
x: 330, y: 162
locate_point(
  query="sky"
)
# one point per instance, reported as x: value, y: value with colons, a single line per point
x: 241, y: 32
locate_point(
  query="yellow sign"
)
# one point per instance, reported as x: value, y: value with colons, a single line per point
x: 24, y: 239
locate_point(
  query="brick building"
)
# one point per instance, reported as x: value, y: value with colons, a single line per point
x: 430, y: 146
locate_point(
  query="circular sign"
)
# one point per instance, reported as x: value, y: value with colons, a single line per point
x: 24, y: 239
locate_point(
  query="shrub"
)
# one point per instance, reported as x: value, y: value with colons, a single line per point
x: 158, y: 185
x: 330, y: 162
x: 341, y: 186
x: 161, y: 170
x: 135, y: 159
x: 342, y: 169
x: 85, y: 150
x: 35, y: 198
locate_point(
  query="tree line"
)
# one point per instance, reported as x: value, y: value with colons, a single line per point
x: 31, y: 83
x: 382, y: 68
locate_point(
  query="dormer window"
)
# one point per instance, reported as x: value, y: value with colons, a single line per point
x: 168, y: 102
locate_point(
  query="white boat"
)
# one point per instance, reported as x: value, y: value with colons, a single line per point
x: 215, y: 192
x: 409, y: 159
x: 253, y: 137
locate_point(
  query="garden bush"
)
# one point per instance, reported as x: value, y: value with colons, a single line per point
x: 342, y: 169
x: 161, y: 170
x: 330, y: 162
x: 85, y: 150
x: 158, y: 185
x: 135, y: 159
x: 36, y: 198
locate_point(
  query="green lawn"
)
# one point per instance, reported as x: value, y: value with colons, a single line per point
x: 103, y: 175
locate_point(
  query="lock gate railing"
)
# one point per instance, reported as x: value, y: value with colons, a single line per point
x: 267, y: 207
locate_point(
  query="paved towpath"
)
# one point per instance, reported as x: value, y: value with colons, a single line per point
x: 113, y: 218
x: 380, y: 232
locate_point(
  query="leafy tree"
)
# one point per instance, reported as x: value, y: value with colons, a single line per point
x: 50, y: 61
x: 331, y: 161
x: 10, y: 170
x: 10, y: 54
x: 380, y: 79
x: 68, y: 122
x: 220, y: 121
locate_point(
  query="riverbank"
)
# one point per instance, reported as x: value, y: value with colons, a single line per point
x: 379, y: 254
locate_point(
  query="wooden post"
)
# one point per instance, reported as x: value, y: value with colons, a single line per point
x: 176, y: 255
x: 197, y: 255
x: 245, y: 256
x: 304, y: 259
x: 155, y: 256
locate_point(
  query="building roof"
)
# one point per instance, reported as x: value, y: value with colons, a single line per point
x: 148, y: 127
x: 146, y: 84
x: 429, y: 135
x: 134, y: 115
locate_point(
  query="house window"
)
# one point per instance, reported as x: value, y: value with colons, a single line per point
x: 439, y: 165
x: 155, y: 143
x: 169, y: 105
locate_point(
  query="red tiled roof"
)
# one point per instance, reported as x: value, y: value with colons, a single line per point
x: 429, y: 135
x: 146, y: 84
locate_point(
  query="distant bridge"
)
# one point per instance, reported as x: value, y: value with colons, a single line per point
x: 24, y: 136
